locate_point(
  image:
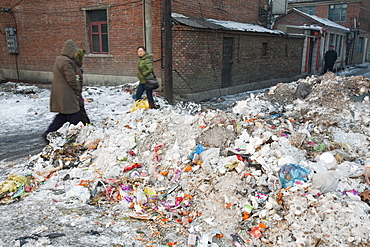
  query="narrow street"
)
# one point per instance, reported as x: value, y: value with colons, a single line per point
x: 365, y: 71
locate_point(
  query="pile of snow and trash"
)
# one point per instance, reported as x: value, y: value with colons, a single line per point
x: 287, y: 167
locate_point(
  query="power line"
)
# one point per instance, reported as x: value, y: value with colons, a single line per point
x: 359, y: 7
x: 16, y: 4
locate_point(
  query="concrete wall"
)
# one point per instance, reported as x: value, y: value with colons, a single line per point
x: 47, y: 77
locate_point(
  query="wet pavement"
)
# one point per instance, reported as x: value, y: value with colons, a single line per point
x: 20, y: 145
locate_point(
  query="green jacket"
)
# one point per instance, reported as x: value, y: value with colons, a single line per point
x: 145, y: 65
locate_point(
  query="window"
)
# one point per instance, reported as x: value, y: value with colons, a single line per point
x: 339, y: 49
x: 337, y: 41
x: 360, y: 44
x: 331, y: 39
x: 337, y: 12
x: 98, y: 31
x: 311, y: 10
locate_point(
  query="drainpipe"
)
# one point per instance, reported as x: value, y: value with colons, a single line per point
x: 148, y: 26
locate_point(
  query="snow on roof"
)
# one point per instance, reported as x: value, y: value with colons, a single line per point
x: 324, y: 21
x: 240, y: 26
x: 221, y: 24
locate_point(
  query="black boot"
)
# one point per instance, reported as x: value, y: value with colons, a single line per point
x: 153, y: 106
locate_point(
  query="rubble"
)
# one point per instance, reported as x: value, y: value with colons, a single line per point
x: 284, y: 167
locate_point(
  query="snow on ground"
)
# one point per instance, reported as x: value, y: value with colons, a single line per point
x: 282, y: 167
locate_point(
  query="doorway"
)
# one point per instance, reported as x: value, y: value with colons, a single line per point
x: 227, y: 61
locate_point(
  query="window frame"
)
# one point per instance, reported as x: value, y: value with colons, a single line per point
x: 339, y: 46
x: 89, y: 33
x: 360, y: 45
x: 333, y: 10
x: 100, y: 33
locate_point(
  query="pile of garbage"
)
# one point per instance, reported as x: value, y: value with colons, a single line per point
x: 286, y: 167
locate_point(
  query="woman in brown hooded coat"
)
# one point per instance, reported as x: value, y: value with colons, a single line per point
x: 79, y: 76
x: 65, y: 89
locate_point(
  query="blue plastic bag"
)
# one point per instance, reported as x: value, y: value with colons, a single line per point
x: 291, y: 173
x: 198, y: 150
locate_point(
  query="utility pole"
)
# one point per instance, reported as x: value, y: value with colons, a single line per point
x: 168, y: 82
x: 148, y: 26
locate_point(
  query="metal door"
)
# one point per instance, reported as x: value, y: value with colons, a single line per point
x: 227, y: 61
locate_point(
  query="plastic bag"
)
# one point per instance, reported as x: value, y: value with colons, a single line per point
x: 348, y: 169
x: 326, y: 181
x: 209, y: 156
x: 197, y: 151
x: 291, y: 173
x: 328, y: 159
x: 140, y: 104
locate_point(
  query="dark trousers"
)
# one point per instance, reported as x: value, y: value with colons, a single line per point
x: 61, y: 119
x: 140, y: 90
x: 83, y: 115
x: 328, y: 67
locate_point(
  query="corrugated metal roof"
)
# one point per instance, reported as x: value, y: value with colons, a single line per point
x: 323, y: 21
x: 194, y: 21
x: 198, y: 22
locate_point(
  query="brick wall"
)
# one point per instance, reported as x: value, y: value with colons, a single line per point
x: 294, y: 19
x: 355, y: 10
x: 43, y: 28
x: 6, y: 20
x: 231, y: 10
x: 322, y: 11
x: 198, y: 58
x: 365, y: 15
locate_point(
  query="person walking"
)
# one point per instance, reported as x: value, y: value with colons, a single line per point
x: 145, y: 72
x: 79, y: 77
x: 329, y: 59
x: 65, y: 89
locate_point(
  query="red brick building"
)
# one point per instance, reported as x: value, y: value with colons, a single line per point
x: 110, y: 31
x: 319, y: 34
x: 352, y: 14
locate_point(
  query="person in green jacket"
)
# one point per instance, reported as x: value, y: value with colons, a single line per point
x: 145, y: 71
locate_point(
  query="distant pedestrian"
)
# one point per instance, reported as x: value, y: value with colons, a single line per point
x: 145, y: 71
x: 65, y: 90
x: 79, y: 77
x: 329, y: 59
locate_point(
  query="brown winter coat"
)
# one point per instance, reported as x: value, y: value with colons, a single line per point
x: 65, y: 89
